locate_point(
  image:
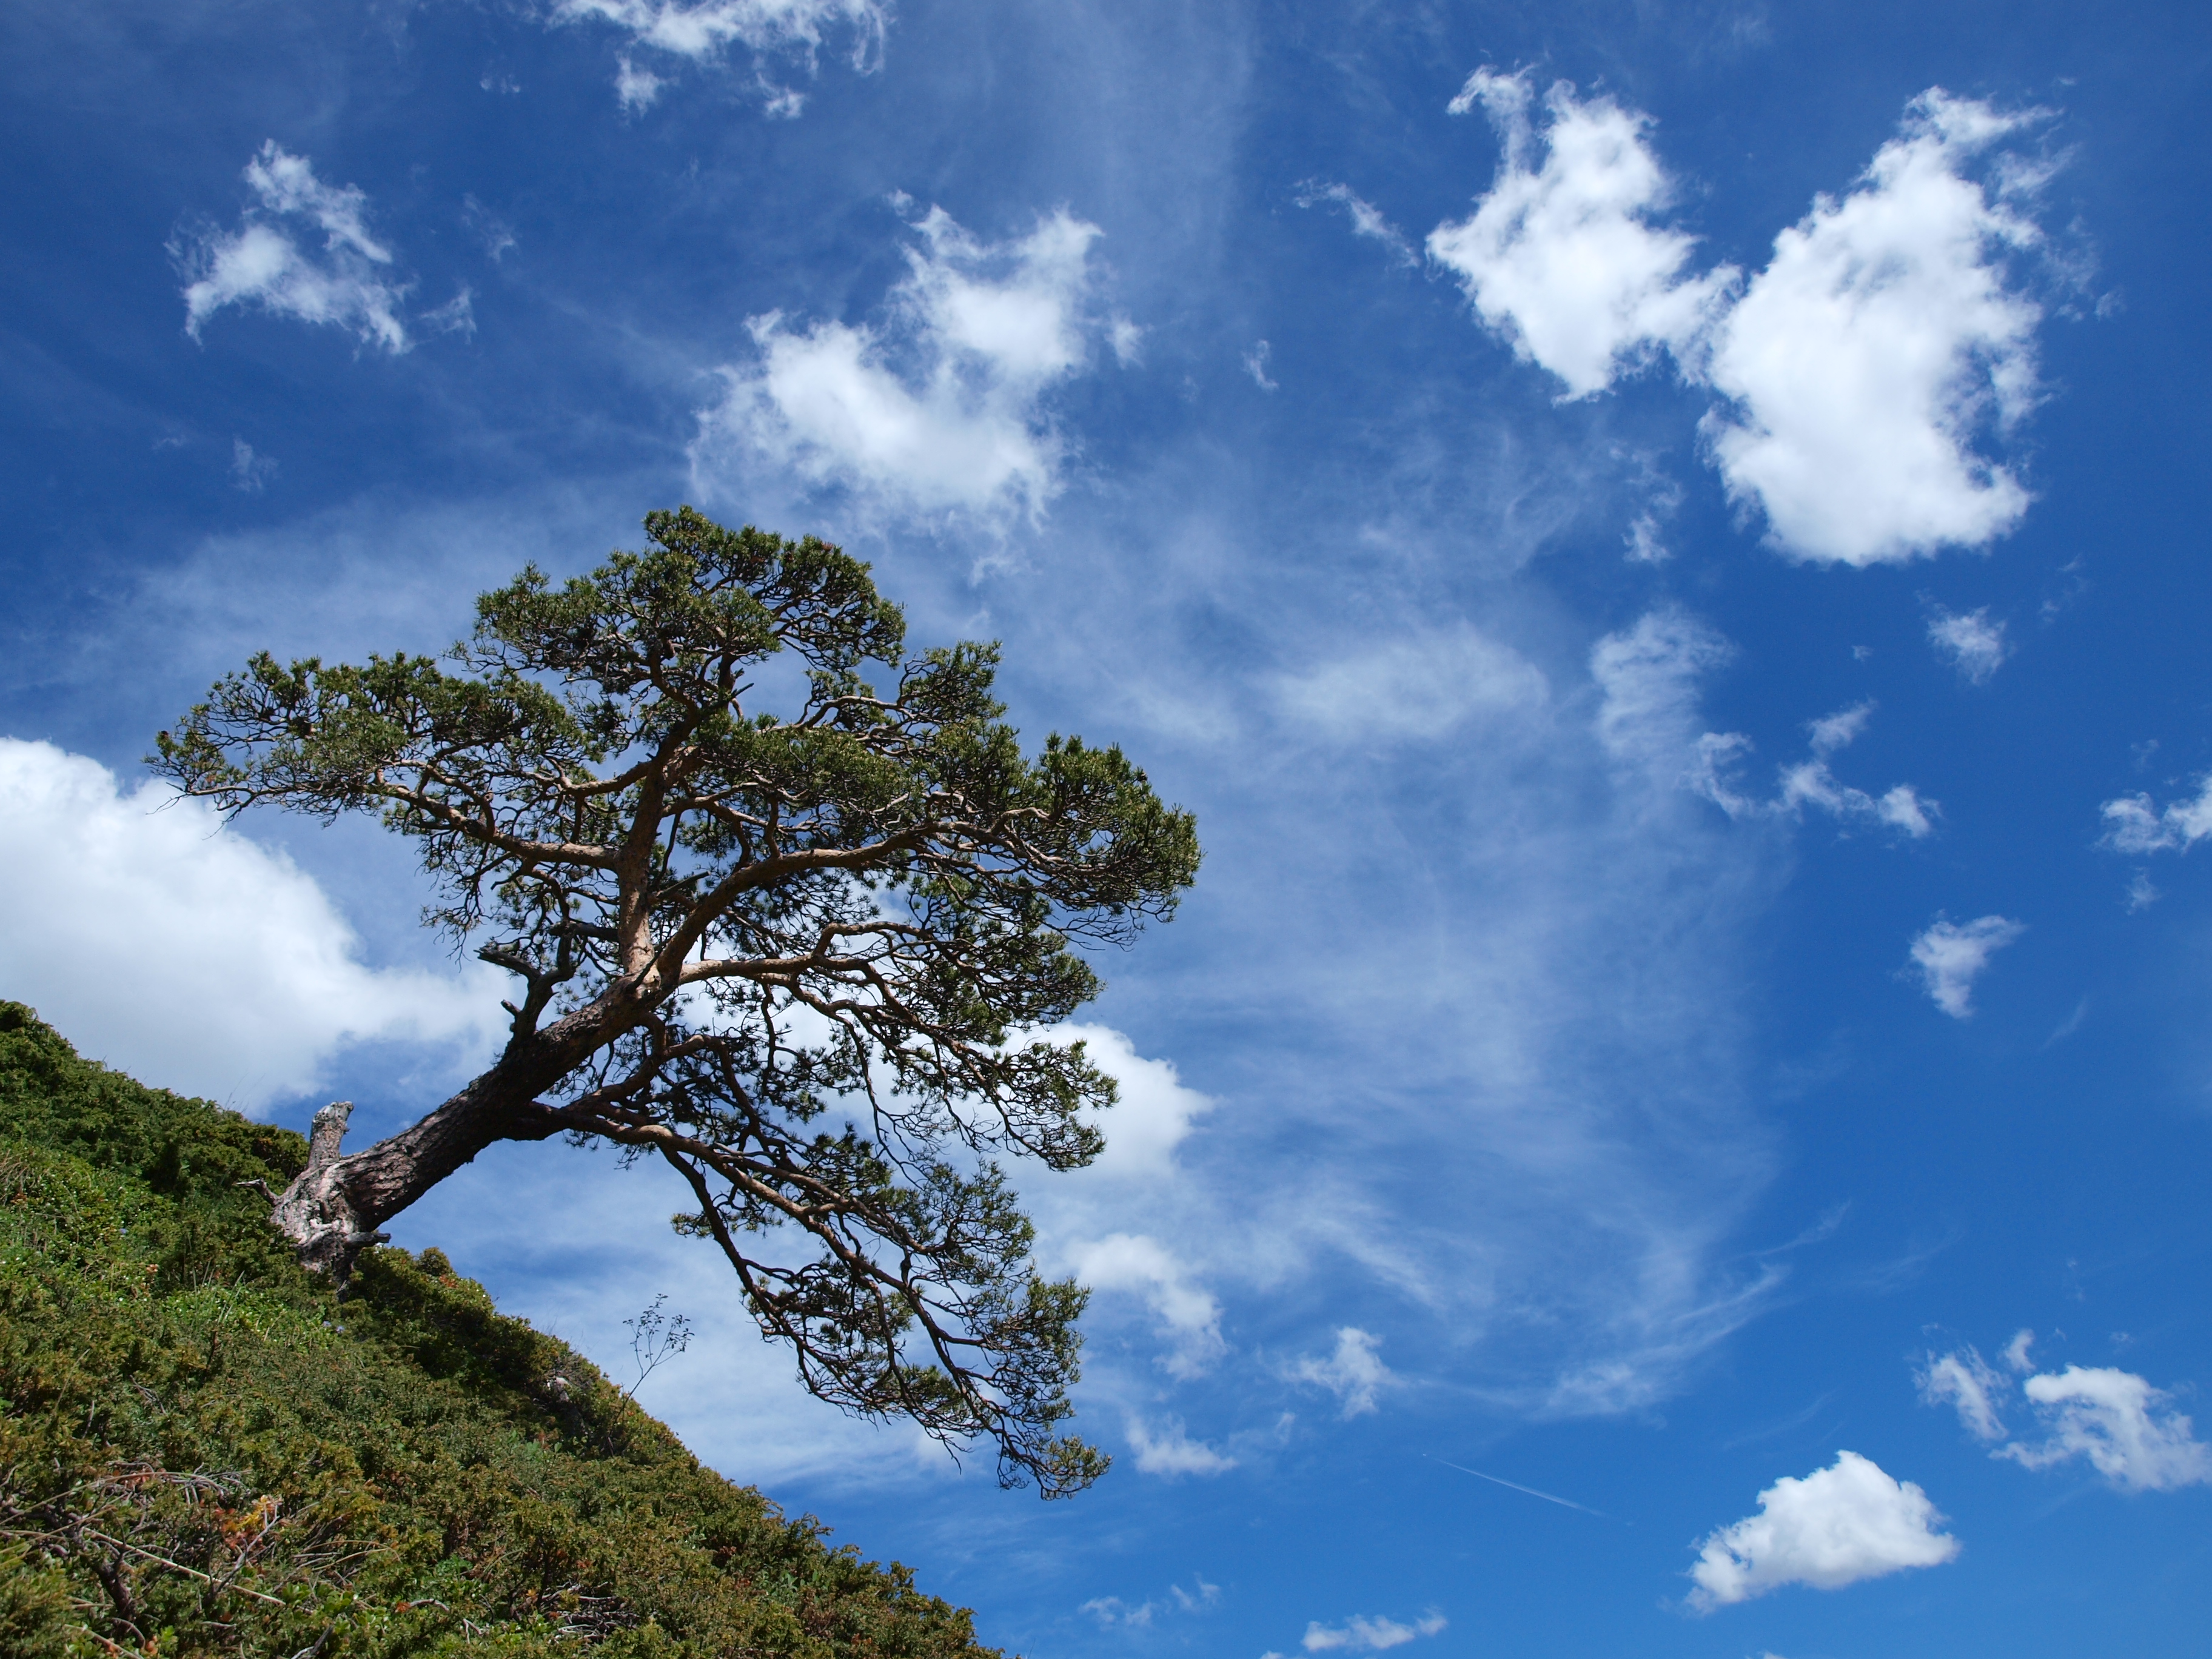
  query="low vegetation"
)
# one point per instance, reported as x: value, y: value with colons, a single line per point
x: 205, y: 1451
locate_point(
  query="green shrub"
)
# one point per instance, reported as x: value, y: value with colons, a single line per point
x: 203, y: 1452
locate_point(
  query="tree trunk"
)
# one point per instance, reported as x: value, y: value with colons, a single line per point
x: 336, y: 1207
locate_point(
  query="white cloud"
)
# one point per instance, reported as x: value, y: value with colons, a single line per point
x: 1090, y: 1219
x: 1111, y: 1610
x: 1188, y: 1314
x: 1153, y: 1115
x: 940, y: 409
x: 1647, y: 678
x: 1964, y: 1380
x: 1861, y: 368
x: 702, y: 33
x: 636, y: 89
x: 1975, y: 646
x: 2127, y: 1429
x: 1644, y: 542
x: 348, y: 285
x: 1426, y: 685
x: 458, y: 315
x: 1256, y: 365
x: 1562, y: 259
x: 1360, y: 1634
x: 164, y: 943
x: 249, y: 471
x: 1950, y: 957
x: 494, y: 232
x: 1837, y: 1526
x: 1810, y: 783
x: 1883, y: 336
x: 1169, y: 1450
x: 1366, y: 218
x: 1841, y: 729
x: 2135, y: 823
x: 1353, y: 1373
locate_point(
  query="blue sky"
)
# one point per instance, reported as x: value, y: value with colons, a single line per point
x: 1663, y: 545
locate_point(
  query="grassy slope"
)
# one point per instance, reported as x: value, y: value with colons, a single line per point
x: 203, y: 1452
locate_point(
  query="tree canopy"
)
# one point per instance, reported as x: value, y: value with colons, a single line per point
x: 809, y: 958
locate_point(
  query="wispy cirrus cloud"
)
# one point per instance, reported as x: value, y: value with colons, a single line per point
x: 1650, y: 675
x: 1425, y: 683
x: 703, y: 32
x: 1366, y: 219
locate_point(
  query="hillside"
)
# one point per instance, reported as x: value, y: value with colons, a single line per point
x: 203, y: 1451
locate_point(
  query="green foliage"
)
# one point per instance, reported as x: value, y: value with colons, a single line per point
x: 207, y: 1453
x: 726, y: 920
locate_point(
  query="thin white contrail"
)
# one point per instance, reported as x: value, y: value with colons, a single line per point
x: 1549, y: 1497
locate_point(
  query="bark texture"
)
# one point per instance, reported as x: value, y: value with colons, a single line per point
x: 336, y: 1207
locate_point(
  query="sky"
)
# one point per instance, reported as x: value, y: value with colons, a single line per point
x: 1663, y: 545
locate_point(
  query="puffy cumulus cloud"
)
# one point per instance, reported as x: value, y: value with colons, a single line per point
x: 1167, y: 1448
x: 1154, y: 1110
x: 2136, y: 823
x: 1422, y: 686
x: 1838, y: 1526
x: 347, y: 283
x: 1951, y: 956
x: 1560, y: 257
x: 1972, y: 643
x: 1354, y: 1373
x: 1360, y: 1634
x: 703, y: 32
x: 2127, y: 1430
x: 939, y: 408
x: 1860, y: 371
x: 1883, y: 336
x: 166, y: 944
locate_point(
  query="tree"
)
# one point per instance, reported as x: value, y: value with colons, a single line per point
x: 732, y: 931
